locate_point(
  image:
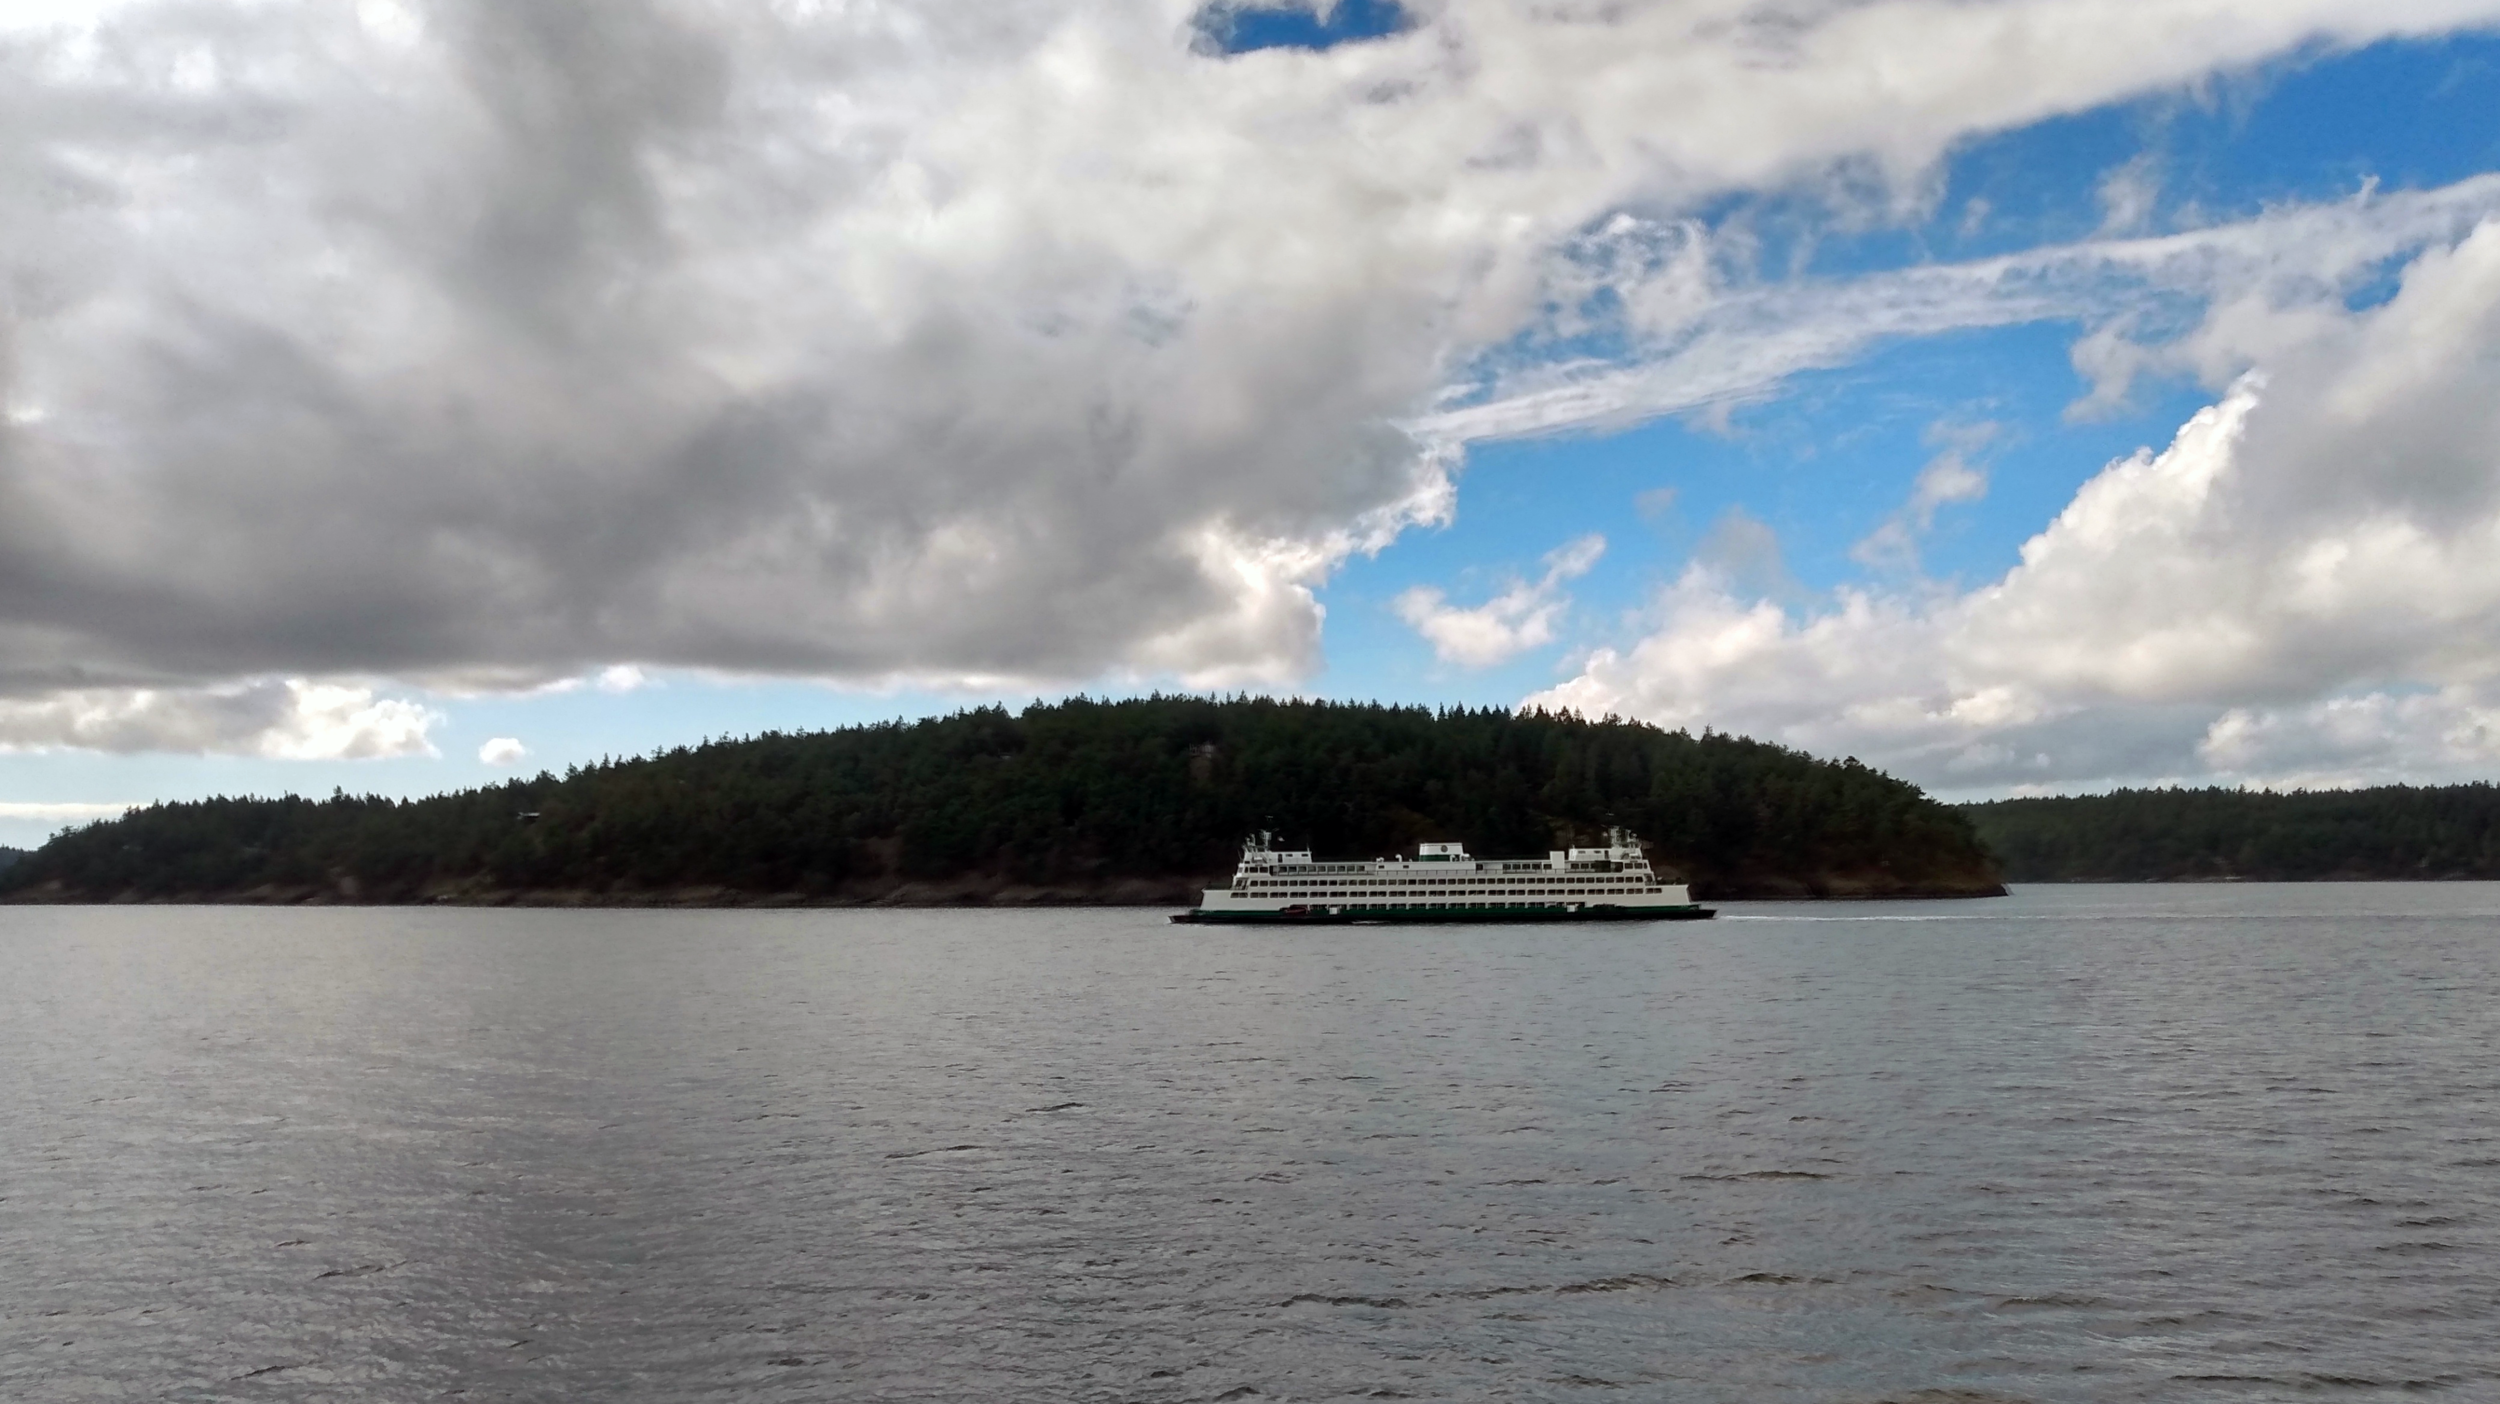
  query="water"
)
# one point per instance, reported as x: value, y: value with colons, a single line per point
x: 2082, y: 1144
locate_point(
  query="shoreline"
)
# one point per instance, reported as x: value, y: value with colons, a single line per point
x: 1134, y: 892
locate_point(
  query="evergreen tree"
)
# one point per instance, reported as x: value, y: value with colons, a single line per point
x: 1073, y: 795
x: 2396, y: 831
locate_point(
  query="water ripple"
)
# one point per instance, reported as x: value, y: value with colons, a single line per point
x: 2084, y: 1144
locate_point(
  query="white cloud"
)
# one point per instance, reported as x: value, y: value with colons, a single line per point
x: 622, y: 678
x: 2278, y: 270
x: 2346, y: 741
x: 331, y: 722
x: 1520, y: 618
x: 1948, y: 478
x: 278, y: 719
x: 863, y: 342
x: 2129, y: 192
x: 61, y: 812
x: 502, y: 750
x: 2305, y: 583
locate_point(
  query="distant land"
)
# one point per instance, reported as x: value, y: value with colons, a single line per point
x: 2394, y: 832
x: 1132, y: 802
x: 9, y: 856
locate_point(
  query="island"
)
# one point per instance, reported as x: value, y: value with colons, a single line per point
x: 1130, y: 802
x: 2390, y: 832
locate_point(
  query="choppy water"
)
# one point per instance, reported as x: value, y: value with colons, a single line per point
x: 2082, y: 1144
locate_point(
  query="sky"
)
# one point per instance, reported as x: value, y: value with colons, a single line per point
x: 2022, y: 396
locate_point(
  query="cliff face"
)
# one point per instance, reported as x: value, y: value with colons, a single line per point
x: 1134, y: 802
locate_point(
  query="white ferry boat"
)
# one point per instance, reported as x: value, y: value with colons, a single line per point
x: 1441, y: 883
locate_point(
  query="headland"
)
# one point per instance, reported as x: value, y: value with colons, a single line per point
x: 1127, y: 803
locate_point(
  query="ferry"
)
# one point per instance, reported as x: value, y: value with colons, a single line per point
x: 1441, y: 883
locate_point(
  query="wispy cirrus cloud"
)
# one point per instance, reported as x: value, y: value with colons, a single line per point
x: 1740, y: 341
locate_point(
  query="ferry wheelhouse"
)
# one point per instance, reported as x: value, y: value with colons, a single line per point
x: 1441, y: 883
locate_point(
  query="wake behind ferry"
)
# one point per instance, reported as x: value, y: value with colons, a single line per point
x: 1441, y: 883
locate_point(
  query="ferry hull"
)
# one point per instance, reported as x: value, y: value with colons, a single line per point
x: 1489, y: 916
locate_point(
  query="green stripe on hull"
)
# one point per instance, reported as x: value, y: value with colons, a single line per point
x: 1444, y: 916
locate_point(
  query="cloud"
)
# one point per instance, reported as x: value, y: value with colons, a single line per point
x: 2347, y: 741
x: 277, y: 719
x: 1948, y: 478
x: 1742, y: 340
x: 502, y: 750
x: 47, y: 812
x: 878, y: 342
x: 2129, y: 192
x: 1743, y: 551
x: 1520, y: 618
x: 2305, y: 583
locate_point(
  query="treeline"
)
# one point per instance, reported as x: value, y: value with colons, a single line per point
x: 2398, y: 831
x: 9, y: 856
x: 1067, y: 800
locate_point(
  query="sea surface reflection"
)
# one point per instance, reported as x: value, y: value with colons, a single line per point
x: 2079, y: 1144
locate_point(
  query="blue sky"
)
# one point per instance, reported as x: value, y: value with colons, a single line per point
x: 1822, y: 543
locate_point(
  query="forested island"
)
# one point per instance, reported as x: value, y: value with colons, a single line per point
x: 1083, y: 801
x: 2178, y: 835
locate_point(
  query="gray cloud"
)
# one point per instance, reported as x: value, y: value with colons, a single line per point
x: 281, y: 720
x: 475, y: 344
x: 579, y: 338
